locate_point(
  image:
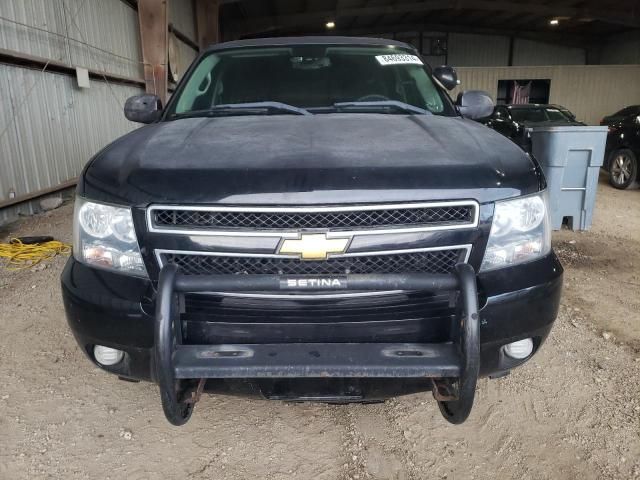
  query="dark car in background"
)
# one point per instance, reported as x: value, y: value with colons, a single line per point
x: 513, y: 120
x: 623, y: 146
x: 626, y: 114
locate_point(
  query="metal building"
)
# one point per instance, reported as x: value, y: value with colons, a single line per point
x: 67, y: 66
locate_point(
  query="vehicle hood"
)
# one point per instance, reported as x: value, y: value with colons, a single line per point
x: 319, y: 159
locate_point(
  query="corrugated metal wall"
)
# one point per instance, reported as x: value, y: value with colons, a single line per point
x: 528, y: 52
x: 181, y: 55
x: 58, y: 129
x: 478, y: 50
x: 38, y: 14
x: 182, y: 16
x: 98, y: 34
x: 110, y: 25
x: 589, y: 91
x: 49, y: 127
x: 475, y: 50
x: 622, y: 48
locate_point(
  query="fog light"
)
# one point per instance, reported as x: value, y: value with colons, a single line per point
x: 520, y: 349
x: 107, y: 356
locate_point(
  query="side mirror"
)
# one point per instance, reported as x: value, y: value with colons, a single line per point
x: 145, y: 108
x: 446, y: 76
x: 474, y: 104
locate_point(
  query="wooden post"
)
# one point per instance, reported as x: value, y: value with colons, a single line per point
x: 152, y: 16
x: 208, y: 22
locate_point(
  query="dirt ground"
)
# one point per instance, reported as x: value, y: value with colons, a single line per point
x: 572, y: 412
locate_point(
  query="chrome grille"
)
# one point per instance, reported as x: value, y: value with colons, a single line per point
x: 452, y: 214
x: 433, y: 261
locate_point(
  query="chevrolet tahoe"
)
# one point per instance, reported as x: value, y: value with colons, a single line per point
x: 312, y: 219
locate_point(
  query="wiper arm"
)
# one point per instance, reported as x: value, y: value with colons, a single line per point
x: 279, y: 106
x: 230, y: 107
x: 384, y: 103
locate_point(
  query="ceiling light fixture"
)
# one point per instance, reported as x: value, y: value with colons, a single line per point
x: 330, y: 25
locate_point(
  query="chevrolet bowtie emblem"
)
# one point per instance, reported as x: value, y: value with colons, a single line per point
x: 314, y: 246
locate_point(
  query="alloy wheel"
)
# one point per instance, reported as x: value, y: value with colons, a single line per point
x: 621, y: 169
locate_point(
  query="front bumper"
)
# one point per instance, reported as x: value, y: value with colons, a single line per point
x: 117, y: 311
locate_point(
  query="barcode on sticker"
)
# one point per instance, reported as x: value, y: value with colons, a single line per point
x: 398, y: 59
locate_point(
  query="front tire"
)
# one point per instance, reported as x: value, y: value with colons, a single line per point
x: 623, y: 168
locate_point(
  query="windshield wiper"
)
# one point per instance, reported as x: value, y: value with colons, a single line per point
x: 253, y: 106
x: 406, y: 107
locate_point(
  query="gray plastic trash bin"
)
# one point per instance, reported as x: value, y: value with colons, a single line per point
x: 571, y: 157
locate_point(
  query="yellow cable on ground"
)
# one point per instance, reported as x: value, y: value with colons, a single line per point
x: 21, y: 255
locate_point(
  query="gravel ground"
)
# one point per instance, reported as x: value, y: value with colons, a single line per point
x: 572, y: 412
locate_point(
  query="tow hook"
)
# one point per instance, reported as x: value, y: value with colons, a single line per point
x: 195, y: 398
x: 443, y: 390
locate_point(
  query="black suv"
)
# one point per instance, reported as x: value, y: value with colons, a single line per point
x: 623, y: 146
x: 312, y: 219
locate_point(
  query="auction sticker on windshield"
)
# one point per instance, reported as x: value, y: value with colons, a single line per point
x: 398, y: 59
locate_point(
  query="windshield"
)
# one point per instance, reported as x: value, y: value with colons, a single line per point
x: 542, y: 114
x: 315, y: 78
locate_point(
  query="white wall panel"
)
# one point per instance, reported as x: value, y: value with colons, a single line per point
x: 589, y: 91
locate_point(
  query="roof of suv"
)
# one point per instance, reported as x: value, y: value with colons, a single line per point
x: 324, y: 40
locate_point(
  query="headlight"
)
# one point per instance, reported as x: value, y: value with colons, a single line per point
x: 104, y: 237
x: 519, y: 232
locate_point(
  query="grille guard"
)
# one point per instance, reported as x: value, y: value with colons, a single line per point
x: 453, y: 368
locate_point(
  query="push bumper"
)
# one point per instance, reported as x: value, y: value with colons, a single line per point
x: 116, y: 311
x: 454, y: 367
